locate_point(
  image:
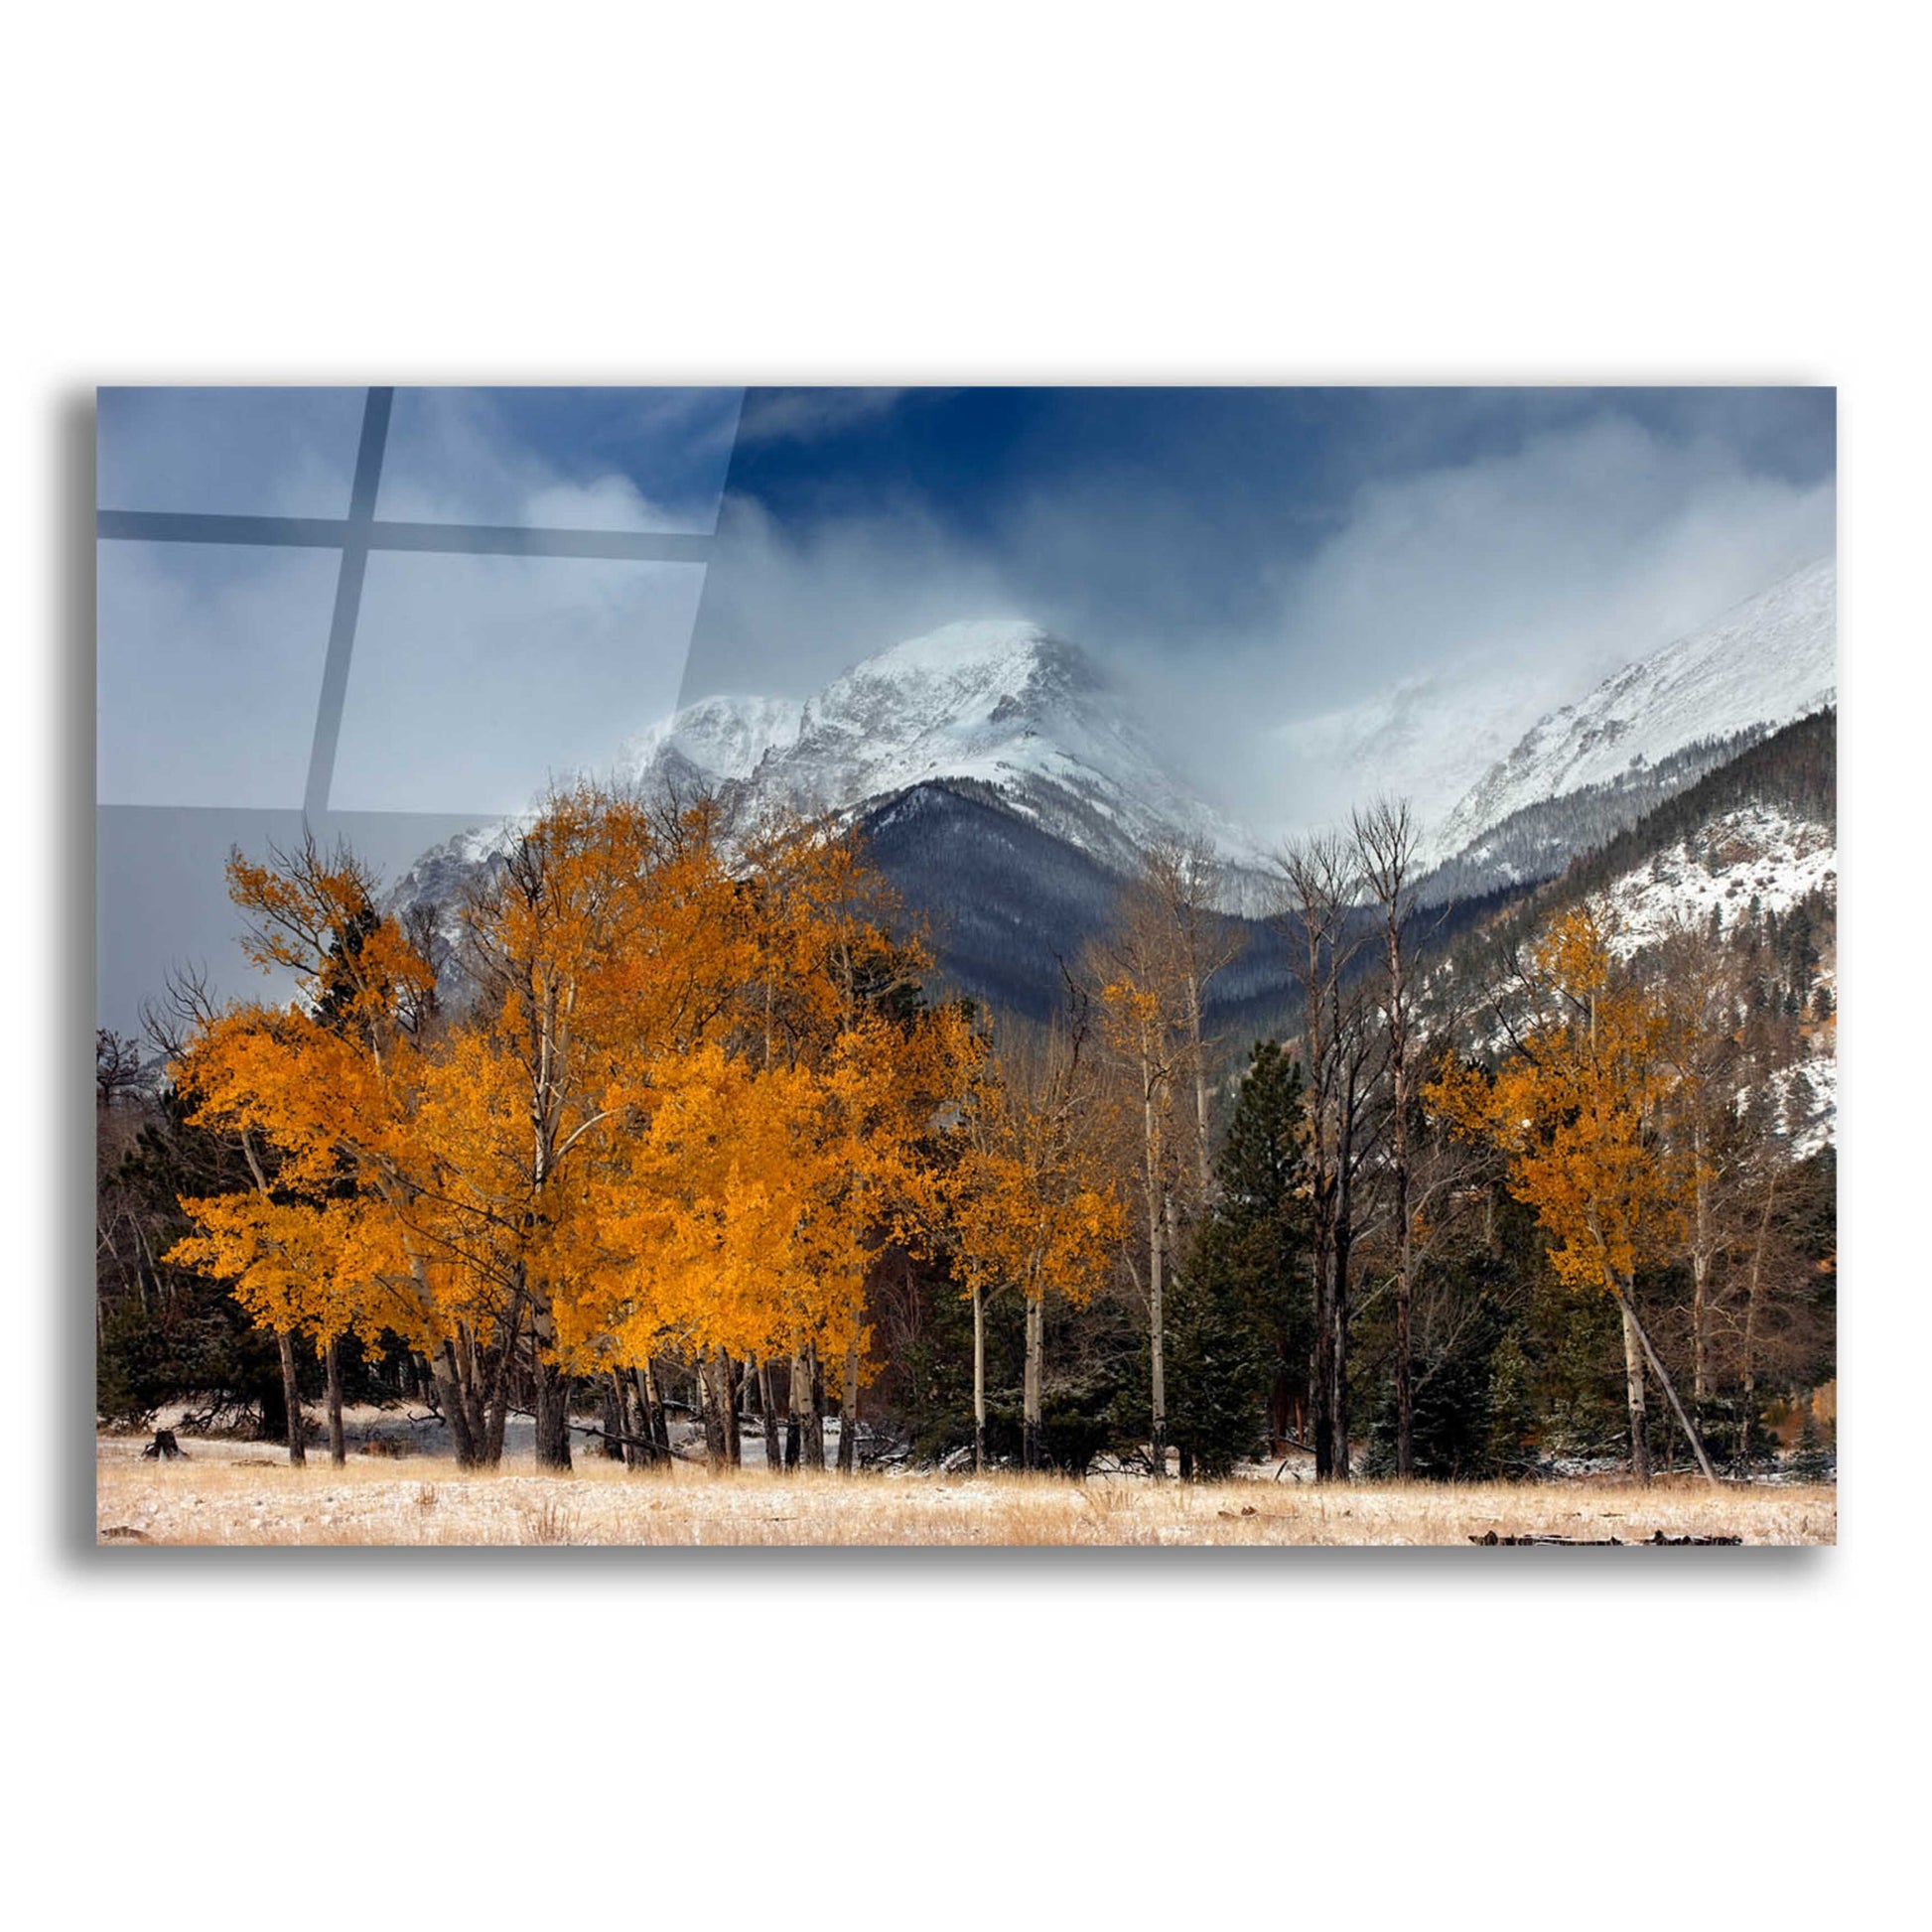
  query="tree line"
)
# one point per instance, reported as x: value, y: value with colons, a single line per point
x: 665, y: 1117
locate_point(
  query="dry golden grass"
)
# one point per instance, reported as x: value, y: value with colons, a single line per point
x: 229, y: 1495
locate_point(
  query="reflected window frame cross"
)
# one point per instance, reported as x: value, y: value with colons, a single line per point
x: 360, y: 532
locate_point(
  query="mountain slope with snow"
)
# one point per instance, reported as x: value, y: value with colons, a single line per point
x: 1001, y: 704
x: 1758, y: 858
x: 721, y: 739
x: 1763, y: 663
x: 1759, y: 863
x: 935, y: 745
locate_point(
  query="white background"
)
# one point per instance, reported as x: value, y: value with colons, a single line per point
x: 895, y: 194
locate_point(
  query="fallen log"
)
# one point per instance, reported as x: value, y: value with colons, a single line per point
x: 1490, y: 1540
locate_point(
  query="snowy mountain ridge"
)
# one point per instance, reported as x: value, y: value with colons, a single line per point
x: 997, y: 703
x: 1000, y: 710
x: 721, y: 738
x: 1761, y: 664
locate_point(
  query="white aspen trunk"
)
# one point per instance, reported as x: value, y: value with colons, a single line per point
x: 1750, y: 1335
x: 617, y: 1402
x: 1030, y: 1404
x: 1154, y: 1275
x: 849, y: 1416
x: 1699, y: 1273
x: 639, y: 1395
x: 1155, y: 1264
x: 978, y: 1378
x: 1634, y: 1380
x: 1405, y: 1393
x: 731, y: 1374
x: 1670, y: 1395
x: 656, y: 1431
x: 1206, y: 1174
x: 1342, y: 1249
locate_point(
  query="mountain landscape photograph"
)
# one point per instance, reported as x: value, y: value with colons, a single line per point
x: 966, y: 966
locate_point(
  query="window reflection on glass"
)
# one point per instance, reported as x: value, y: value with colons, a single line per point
x: 560, y: 459
x: 478, y: 679
x: 210, y: 659
x: 228, y: 452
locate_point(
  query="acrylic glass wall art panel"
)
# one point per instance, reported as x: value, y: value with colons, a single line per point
x: 966, y: 966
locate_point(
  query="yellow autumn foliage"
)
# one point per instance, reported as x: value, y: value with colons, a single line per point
x: 695, y: 1093
x: 1577, y: 1109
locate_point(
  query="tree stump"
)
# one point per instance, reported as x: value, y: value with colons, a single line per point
x: 164, y: 1446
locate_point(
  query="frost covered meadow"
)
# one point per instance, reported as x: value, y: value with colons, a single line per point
x: 227, y: 1493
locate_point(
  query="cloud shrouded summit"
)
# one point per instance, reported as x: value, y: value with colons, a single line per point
x: 1003, y: 705
x: 1366, y: 590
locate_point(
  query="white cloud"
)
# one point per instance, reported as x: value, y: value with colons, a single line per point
x: 784, y: 611
x: 804, y: 415
x: 451, y: 459
x: 1459, y: 604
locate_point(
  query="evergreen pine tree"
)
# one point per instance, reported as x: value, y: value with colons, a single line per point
x: 1241, y: 1330
x: 1812, y: 1460
x: 1510, y: 1425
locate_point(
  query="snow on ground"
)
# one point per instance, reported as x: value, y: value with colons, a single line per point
x: 231, y: 1493
x: 405, y: 1432
x: 1755, y: 853
x: 1807, y: 1114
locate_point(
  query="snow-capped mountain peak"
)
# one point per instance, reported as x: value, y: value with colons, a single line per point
x: 1001, y: 704
x: 978, y: 655
x: 999, y: 709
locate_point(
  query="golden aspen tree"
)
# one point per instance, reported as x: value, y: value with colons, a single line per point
x: 765, y: 1158
x: 1153, y: 969
x: 1578, y: 1112
x: 1030, y: 1201
x: 690, y: 1100
x: 589, y: 947
x: 296, y: 1086
x: 297, y: 1266
x: 831, y: 989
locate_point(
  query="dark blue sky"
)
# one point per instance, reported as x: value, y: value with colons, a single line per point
x: 1270, y: 471
x: 1322, y: 543
x: 1246, y: 455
